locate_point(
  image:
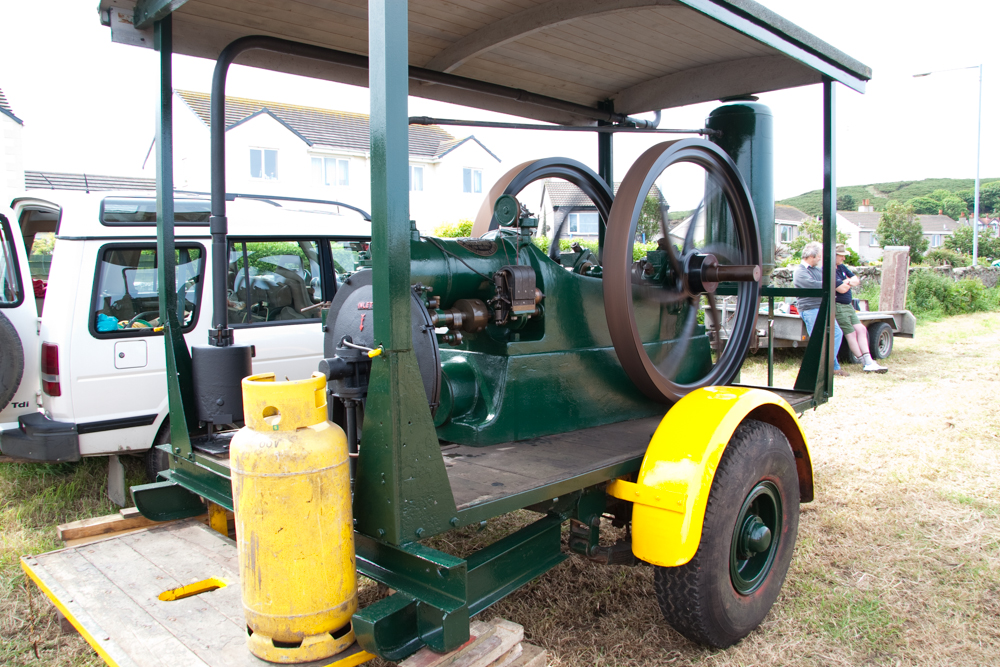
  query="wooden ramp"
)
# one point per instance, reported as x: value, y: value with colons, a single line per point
x: 109, y: 590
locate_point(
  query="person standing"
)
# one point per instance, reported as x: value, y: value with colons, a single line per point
x: 855, y: 333
x: 808, y: 276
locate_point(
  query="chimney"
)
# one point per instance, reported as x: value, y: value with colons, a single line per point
x: 866, y: 206
x: 940, y: 211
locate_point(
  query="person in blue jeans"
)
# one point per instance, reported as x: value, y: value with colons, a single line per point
x: 807, y: 275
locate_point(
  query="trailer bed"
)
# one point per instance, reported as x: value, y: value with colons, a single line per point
x: 109, y: 590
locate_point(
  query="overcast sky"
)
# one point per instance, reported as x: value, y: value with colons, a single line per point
x: 88, y: 105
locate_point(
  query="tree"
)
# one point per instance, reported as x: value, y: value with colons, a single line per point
x: 650, y: 223
x: 954, y: 207
x: 846, y: 202
x: 899, y: 225
x: 812, y: 230
x: 961, y: 241
x: 925, y: 205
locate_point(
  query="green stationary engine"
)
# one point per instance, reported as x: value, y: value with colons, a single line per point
x: 514, y: 344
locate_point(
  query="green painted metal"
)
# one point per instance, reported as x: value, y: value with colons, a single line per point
x: 180, y: 391
x: 492, y: 380
x: 401, y: 478
x: 148, y: 12
x: 166, y: 501
x: 605, y: 167
x: 199, y: 479
x: 747, y: 135
x: 829, y: 223
x: 426, y: 609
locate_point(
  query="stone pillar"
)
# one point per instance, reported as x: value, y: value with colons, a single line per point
x: 895, y: 272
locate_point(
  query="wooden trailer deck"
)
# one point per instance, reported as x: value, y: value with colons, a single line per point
x: 109, y: 590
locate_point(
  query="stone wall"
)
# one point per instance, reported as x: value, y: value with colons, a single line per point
x: 990, y: 276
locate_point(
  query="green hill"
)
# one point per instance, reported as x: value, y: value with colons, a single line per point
x: 881, y: 193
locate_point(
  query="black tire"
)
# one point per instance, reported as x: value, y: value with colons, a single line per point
x: 157, y: 459
x: 700, y: 598
x: 845, y: 355
x: 11, y: 361
x: 880, y: 340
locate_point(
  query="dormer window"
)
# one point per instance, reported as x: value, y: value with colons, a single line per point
x: 264, y: 164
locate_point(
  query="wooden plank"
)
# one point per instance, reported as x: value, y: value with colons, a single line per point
x: 531, y: 656
x: 127, y: 519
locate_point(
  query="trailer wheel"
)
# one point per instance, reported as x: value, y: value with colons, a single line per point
x: 11, y: 361
x: 751, y: 521
x: 880, y: 340
x: 157, y: 459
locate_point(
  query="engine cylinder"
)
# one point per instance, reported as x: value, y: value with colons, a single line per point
x: 747, y: 135
x: 292, y: 499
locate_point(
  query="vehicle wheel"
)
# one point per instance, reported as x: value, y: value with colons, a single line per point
x: 751, y: 521
x: 157, y: 459
x: 845, y: 355
x: 11, y: 361
x: 880, y: 340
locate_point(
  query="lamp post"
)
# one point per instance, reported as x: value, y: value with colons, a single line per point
x: 979, y: 148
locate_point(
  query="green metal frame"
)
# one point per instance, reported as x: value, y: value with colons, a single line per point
x: 403, y: 490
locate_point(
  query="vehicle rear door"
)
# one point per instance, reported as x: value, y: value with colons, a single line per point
x: 19, y: 370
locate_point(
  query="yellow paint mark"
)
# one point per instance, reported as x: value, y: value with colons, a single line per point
x: 91, y: 639
x: 191, y: 590
x: 218, y: 520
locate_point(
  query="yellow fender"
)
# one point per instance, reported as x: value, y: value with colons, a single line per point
x: 671, y: 492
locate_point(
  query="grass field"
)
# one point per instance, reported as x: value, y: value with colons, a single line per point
x: 898, y: 559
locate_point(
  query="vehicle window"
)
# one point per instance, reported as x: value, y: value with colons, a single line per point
x: 127, y: 299
x: 348, y: 257
x: 10, y: 281
x: 282, y: 281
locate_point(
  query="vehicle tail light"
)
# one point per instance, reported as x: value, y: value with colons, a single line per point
x: 50, y: 369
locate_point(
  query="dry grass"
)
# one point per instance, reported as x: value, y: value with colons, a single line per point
x: 898, y: 560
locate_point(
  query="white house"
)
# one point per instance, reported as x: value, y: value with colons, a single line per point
x: 297, y: 151
x: 11, y: 152
x: 861, y: 225
x: 565, y: 204
x: 787, y: 220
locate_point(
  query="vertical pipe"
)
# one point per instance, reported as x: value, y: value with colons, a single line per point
x: 829, y: 224
x: 605, y: 169
x: 979, y: 148
x: 389, y: 85
x: 220, y: 334
x: 770, y: 341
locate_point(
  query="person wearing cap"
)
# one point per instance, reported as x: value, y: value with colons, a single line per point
x: 855, y: 333
x: 808, y: 276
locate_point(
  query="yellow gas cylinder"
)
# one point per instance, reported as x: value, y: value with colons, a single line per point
x: 292, y: 497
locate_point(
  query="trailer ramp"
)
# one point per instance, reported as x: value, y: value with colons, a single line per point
x: 113, y: 591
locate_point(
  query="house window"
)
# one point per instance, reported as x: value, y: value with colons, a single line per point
x: 872, y: 239
x: 417, y: 179
x: 472, y: 180
x: 583, y: 223
x: 935, y: 240
x: 786, y: 233
x: 264, y: 163
x: 331, y: 171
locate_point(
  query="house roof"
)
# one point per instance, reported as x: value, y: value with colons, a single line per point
x: 325, y: 127
x: 930, y: 223
x: 6, y: 110
x: 51, y: 180
x: 789, y: 213
x: 563, y: 194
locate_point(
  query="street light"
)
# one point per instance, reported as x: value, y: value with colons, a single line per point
x: 979, y: 147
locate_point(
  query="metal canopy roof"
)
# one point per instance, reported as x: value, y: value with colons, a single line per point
x: 642, y: 54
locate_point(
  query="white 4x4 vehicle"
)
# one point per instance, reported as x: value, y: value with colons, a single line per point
x: 96, y: 361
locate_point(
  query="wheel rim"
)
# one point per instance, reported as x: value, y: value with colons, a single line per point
x: 883, y: 343
x: 755, y: 538
x: 682, y: 277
